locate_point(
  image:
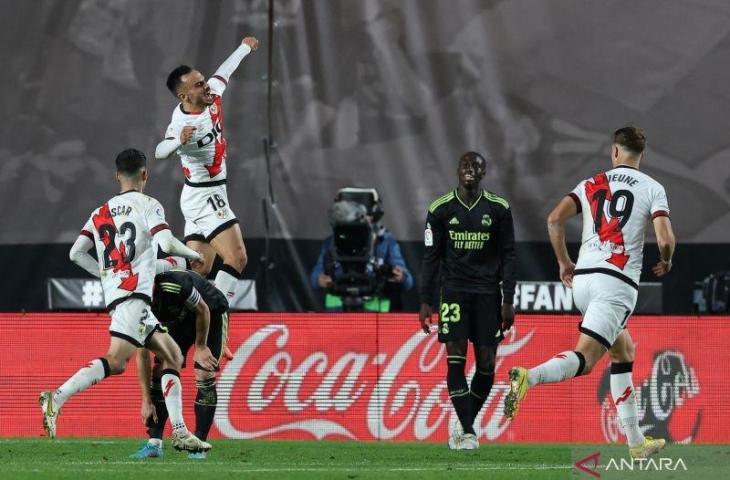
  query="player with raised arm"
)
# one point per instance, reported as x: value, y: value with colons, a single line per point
x: 195, y: 133
x: 124, y: 231
x: 616, y: 207
x: 196, y: 314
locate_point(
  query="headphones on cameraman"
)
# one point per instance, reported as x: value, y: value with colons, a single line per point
x: 353, y: 193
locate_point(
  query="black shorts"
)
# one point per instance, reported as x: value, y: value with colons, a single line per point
x: 473, y: 316
x: 184, y: 335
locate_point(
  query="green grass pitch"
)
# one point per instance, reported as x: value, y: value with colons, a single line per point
x: 72, y: 458
x: 108, y: 459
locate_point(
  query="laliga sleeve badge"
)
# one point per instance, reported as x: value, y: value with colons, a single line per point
x: 428, y: 236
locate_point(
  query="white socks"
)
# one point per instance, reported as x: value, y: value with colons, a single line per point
x: 624, y: 397
x: 225, y: 282
x: 570, y: 364
x: 172, y: 391
x: 96, y: 371
x: 562, y: 366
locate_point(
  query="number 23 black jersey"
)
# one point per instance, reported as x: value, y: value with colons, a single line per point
x: 474, y: 247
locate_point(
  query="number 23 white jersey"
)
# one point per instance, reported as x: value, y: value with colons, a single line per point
x: 617, y: 206
x: 122, y: 231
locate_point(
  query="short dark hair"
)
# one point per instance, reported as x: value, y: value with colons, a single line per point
x: 130, y: 162
x: 632, y: 139
x: 174, y: 80
x: 473, y: 156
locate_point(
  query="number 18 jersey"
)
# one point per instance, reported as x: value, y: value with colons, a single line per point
x: 617, y: 206
x: 122, y: 231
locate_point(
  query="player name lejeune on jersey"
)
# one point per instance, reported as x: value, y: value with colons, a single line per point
x: 616, y: 206
x: 122, y: 231
x: 474, y: 247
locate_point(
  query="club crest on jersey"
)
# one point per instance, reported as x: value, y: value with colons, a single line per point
x: 222, y: 213
x: 213, y: 108
x: 486, y: 220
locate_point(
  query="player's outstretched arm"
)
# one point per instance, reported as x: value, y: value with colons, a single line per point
x: 173, y: 246
x: 224, y: 72
x: 79, y: 254
x: 666, y: 242
x: 556, y: 230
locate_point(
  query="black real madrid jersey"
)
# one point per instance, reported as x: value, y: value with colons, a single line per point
x: 473, y: 246
x: 176, y: 289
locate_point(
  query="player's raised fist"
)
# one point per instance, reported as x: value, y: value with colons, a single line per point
x: 186, y: 134
x: 251, y: 42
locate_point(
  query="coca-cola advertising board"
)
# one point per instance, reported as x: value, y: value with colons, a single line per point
x: 376, y: 377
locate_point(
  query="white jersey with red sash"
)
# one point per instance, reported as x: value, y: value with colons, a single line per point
x: 122, y: 231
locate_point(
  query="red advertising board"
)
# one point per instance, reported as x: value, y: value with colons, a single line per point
x: 369, y: 377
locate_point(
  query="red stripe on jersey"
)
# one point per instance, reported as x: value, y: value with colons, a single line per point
x: 171, y: 261
x: 86, y: 234
x: 225, y: 82
x: 159, y: 228
x: 659, y: 213
x: 216, y: 117
x: 115, y: 254
x: 576, y: 200
x: 608, y: 230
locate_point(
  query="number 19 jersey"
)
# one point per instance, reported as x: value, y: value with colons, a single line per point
x: 122, y: 231
x: 617, y: 206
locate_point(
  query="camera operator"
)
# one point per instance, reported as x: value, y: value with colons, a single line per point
x: 360, y: 209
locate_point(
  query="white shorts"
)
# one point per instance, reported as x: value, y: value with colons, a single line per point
x: 606, y: 303
x: 133, y: 321
x: 206, y: 211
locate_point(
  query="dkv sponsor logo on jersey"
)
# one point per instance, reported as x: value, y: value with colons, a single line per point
x: 276, y: 385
